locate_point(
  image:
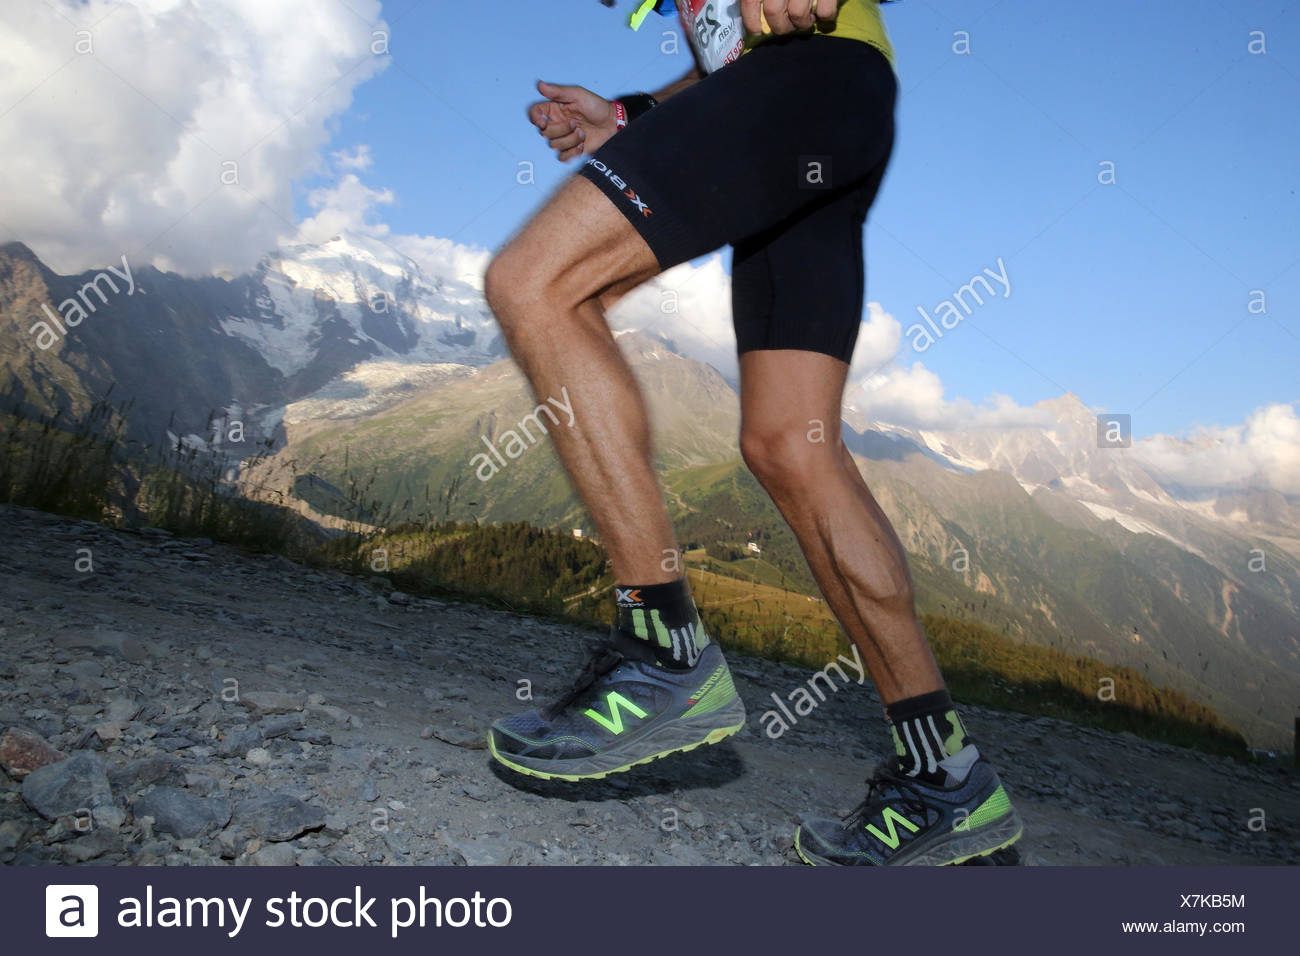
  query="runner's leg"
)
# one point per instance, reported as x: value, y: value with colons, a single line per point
x: 549, y: 288
x: 790, y: 438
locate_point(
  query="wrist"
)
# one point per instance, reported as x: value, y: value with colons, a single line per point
x: 630, y: 106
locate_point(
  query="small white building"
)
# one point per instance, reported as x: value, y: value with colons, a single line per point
x: 753, y: 546
x: 577, y: 532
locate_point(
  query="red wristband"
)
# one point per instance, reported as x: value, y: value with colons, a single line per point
x: 620, y: 114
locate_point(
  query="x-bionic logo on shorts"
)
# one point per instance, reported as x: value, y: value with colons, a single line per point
x: 617, y: 180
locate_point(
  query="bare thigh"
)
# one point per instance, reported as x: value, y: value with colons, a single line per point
x: 577, y: 248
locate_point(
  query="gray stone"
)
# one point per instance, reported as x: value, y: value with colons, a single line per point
x: 459, y: 737
x: 273, y: 727
x: 485, y: 851
x: 92, y: 846
x: 336, y: 714
x: 109, y: 731
x: 145, y: 772
x: 276, y: 817
x: 109, y: 817
x: 271, y: 702
x: 318, y: 737
x: 336, y: 824
x: 239, y: 741
x: 181, y: 813
x: 122, y: 710
x: 58, y: 789
x: 12, y: 833
x: 277, y: 854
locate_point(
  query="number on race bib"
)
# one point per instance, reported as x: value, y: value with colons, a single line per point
x: 716, y: 29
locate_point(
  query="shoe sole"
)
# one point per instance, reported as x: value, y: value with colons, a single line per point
x: 672, y: 737
x: 949, y: 850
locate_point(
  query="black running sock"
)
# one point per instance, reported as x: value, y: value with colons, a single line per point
x: 927, y: 731
x: 663, y: 615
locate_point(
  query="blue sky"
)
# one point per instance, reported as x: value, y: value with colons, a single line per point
x: 1133, y: 295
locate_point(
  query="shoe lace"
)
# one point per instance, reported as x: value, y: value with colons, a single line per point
x: 886, y: 778
x: 602, y: 657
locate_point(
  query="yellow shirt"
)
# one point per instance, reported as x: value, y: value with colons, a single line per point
x: 861, y: 20
x: 857, y: 20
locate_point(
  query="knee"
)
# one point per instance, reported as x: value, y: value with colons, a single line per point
x: 509, y: 286
x: 785, y: 458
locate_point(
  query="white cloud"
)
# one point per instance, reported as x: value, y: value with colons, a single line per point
x: 1262, y: 452
x: 878, y: 341
x: 357, y: 159
x: 690, y: 306
x: 914, y: 398
x: 346, y: 206
x: 120, y: 148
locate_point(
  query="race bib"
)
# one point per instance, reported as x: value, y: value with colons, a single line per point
x: 716, y: 30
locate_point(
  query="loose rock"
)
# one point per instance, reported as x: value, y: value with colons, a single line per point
x: 277, y: 817
x: 182, y: 814
x: 277, y: 854
x: 459, y: 737
x: 22, y: 751
x: 145, y: 772
x: 271, y: 702
x: 58, y: 789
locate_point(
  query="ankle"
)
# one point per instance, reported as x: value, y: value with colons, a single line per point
x: 929, y: 737
x: 664, y: 616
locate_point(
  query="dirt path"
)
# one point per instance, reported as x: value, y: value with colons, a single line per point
x: 357, y: 734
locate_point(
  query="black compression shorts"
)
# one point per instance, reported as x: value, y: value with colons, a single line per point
x: 780, y: 155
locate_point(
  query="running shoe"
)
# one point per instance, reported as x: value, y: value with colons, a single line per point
x: 906, y: 822
x: 624, y: 709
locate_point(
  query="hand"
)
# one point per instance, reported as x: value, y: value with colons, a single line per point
x: 785, y: 16
x: 574, y: 120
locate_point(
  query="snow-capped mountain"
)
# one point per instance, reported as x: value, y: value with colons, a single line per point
x: 1064, y: 456
x: 352, y: 318
x: 361, y: 292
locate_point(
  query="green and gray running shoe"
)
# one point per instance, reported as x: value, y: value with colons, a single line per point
x: 906, y: 822
x: 624, y: 709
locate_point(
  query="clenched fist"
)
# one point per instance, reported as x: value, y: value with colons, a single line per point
x: 573, y: 119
